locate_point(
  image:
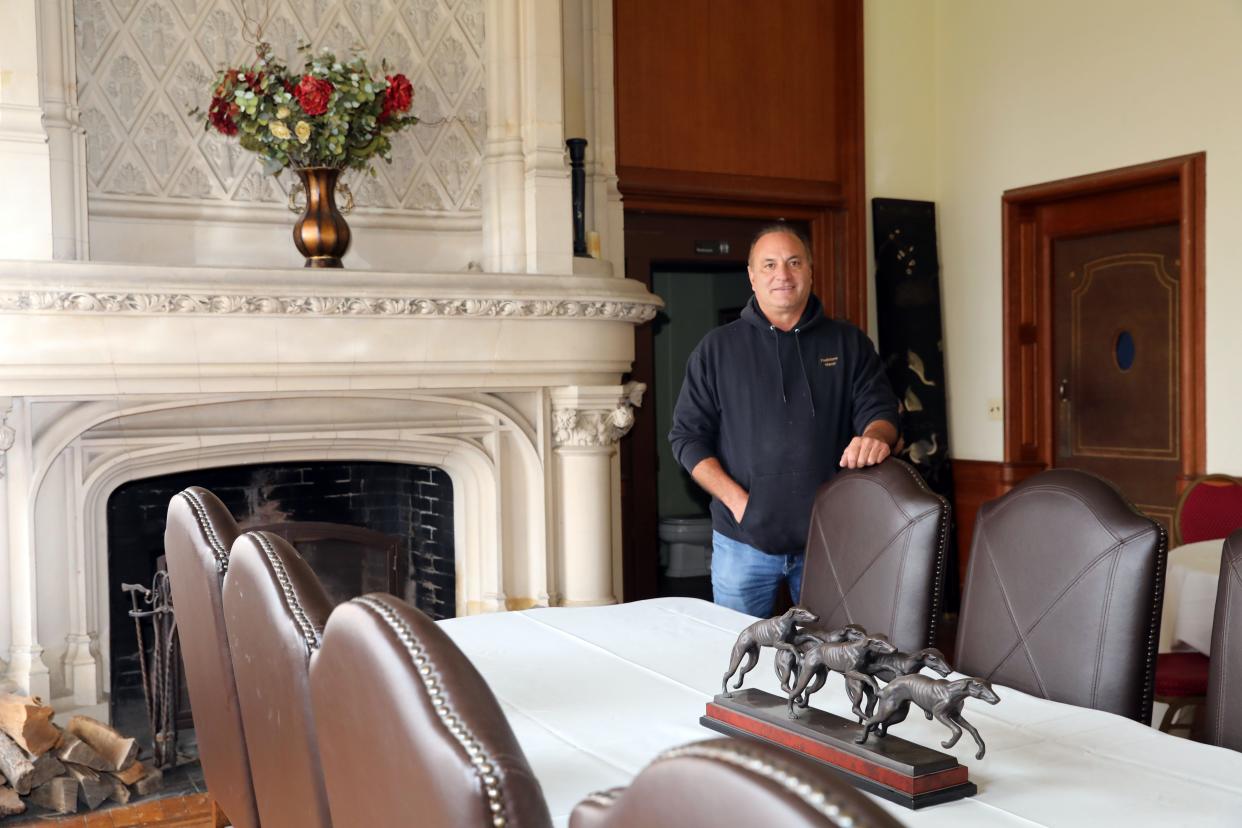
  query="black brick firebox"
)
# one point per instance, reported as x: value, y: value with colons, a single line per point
x: 412, y: 503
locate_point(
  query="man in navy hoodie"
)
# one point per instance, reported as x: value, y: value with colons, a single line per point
x: 772, y: 405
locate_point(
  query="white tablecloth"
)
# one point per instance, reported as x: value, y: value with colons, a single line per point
x: 593, y: 694
x: 1190, y: 597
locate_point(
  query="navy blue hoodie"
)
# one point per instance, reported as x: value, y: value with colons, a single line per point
x: 777, y: 409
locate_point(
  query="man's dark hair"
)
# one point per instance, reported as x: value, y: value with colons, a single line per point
x: 780, y: 227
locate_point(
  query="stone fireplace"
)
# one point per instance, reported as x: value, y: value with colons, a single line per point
x: 151, y: 323
x: 115, y: 373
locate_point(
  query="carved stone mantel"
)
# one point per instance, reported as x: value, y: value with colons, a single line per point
x: 76, y: 327
x: 110, y: 373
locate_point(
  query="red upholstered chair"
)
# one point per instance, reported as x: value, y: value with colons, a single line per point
x: 1210, y: 508
x: 1181, y: 682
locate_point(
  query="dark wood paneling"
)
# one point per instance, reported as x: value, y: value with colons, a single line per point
x: 975, y: 482
x: 749, y: 108
x: 740, y: 87
x: 1032, y: 217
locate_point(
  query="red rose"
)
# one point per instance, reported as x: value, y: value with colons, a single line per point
x: 398, y: 96
x: 313, y: 94
x: 254, y: 80
x: 221, y: 113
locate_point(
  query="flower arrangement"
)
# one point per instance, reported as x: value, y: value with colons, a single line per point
x: 330, y: 114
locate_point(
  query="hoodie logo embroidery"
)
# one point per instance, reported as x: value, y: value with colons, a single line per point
x: 828, y: 361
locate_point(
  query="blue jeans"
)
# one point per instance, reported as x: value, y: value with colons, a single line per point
x: 745, y: 579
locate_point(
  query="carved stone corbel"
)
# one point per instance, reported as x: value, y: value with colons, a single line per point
x: 594, y: 417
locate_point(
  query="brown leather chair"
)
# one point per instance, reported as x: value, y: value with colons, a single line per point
x: 875, y: 554
x: 275, y: 610
x: 1224, y: 699
x: 197, y: 539
x: 728, y: 782
x: 409, y: 731
x: 1062, y: 597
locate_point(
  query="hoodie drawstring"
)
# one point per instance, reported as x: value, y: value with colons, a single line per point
x: 780, y: 366
x: 802, y: 362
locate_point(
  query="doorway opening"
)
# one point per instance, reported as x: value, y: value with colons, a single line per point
x: 698, y: 266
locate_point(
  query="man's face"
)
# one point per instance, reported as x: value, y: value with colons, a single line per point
x: 780, y: 274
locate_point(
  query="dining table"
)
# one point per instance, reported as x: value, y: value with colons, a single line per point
x: 594, y: 694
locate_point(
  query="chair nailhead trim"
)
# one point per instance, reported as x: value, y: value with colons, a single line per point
x: 204, y: 524
x: 484, y: 766
x: 818, y: 800
x: 1153, y: 625
x: 310, y: 635
x: 938, y: 578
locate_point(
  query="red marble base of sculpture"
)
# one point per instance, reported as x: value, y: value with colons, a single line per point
x: 903, y: 772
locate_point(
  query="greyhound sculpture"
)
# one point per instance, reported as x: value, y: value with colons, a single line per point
x: 845, y: 658
x: 940, y: 699
x: 766, y: 633
x: 787, y: 662
x: 887, y: 667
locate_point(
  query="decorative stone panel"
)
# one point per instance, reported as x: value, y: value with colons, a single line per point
x: 143, y: 64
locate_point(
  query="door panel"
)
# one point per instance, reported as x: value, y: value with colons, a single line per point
x: 1116, y: 328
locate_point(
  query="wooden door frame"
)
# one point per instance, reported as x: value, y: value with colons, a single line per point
x: 1027, y: 292
x: 842, y: 289
x: 639, y: 449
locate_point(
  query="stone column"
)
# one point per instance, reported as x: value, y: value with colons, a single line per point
x: 26, y: 667
x: 527, y: 226
x: 81, y: 663
x: 65, y: 136
x: 25, y: 163
x: 587, y: 422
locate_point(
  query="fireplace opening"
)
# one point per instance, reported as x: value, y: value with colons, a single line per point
x: 411, y: 505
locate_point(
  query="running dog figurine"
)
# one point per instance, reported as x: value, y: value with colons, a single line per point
x: 787, y: 661
x: 938, y: 698
x: 888, y: 667
x: 845, y: 658
x: 766, y: 633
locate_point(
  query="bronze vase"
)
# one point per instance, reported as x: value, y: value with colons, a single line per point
x: 321, y: 234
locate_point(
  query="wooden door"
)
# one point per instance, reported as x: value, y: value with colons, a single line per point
x: 1152, y: 217
x: 1116, y: 361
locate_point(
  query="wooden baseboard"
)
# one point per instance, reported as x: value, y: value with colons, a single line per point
x: 975, y: 482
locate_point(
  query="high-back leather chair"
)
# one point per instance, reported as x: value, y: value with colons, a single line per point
x: 409, y: 732
x: 875, y: 554
x: 1062, y: 597
x: 275, y: 610
x: 727, y: 782
x: 197, y: 539
x: 1224, y: 698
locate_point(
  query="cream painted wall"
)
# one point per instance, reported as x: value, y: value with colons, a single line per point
x: 899, y: 96
x: 1030, y: 92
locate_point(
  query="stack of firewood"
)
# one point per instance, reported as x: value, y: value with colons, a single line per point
x: 86, y: 763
